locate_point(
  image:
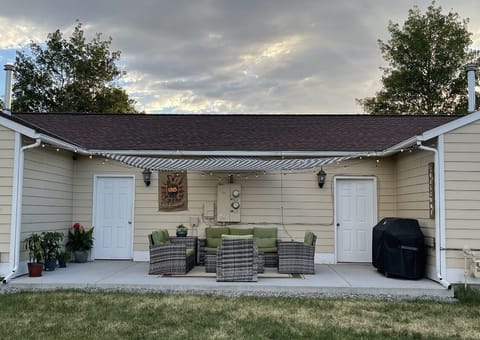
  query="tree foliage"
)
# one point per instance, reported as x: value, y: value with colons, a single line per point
x: 426, y: 58
x: 69, y: 76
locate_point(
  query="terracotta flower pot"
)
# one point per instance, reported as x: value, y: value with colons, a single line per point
x: 35, y: 269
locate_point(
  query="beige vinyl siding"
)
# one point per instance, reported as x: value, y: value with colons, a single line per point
x: 7, y: 153
x: 47, y: 191
x: 462, y: 191
x: 412, y: 194
x: 305, y: 206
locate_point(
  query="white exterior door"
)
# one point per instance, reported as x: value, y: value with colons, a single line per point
x: 355, y: 218
x: 113, y: 217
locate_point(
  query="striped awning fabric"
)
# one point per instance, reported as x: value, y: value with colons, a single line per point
x: 223, y: 163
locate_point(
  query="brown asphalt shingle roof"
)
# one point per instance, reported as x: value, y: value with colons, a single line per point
x: 347, y: 133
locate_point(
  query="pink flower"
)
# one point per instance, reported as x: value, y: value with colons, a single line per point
x: 77, y: 226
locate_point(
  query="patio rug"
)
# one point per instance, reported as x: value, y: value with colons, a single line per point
x: 270, y: 273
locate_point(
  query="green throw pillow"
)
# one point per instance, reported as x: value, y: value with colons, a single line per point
x: 160, y: 237
x: 237, y: 237
x: 308, y: 240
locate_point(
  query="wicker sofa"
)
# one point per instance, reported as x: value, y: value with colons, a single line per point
x: 264, y: 238
x: 169, y: 255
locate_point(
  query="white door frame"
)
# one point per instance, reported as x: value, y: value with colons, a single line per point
x: 94, y: 208
x: 335, y: 207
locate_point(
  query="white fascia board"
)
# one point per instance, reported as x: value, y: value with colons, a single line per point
x: 397, y: 147
x: 31, y: 133
x: 185, y: 153
x: 17, y: 127
x: 445, y: 128
x: 62, y: 144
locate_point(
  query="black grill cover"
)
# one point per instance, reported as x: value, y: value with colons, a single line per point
x: 398, y: 248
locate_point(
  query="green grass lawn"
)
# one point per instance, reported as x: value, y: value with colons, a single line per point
x: 100, y: 315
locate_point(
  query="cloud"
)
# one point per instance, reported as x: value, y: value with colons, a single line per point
x: 234, y: 56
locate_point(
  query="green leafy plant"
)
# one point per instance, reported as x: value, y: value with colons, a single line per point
x: 64, y: 256
x: 79, y: 238
x: 182, y: 228
x: 50, y: 242
x: 33, y: 244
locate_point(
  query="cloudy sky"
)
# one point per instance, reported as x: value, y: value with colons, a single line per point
x: 289, y: 56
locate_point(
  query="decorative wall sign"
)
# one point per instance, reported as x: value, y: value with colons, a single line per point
x: 431, y: 190
x: 172, y: 191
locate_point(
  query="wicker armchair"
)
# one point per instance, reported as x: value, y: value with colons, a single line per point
x: 170, y: 258
x: 297, y: 257
x: 237, y: 260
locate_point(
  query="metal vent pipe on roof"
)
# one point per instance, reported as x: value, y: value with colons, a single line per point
x: 7, y: 105
x: 471, y: 72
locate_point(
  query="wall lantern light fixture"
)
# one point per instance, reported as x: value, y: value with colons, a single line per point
x: 147, y: 176
x: 322, y: 176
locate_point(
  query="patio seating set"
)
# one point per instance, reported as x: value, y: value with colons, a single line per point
x: 233, y: 254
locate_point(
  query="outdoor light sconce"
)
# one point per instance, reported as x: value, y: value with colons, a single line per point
x: 147, y: 175
x: 322, y: 176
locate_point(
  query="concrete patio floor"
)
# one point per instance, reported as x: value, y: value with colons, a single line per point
x: 329, y: 281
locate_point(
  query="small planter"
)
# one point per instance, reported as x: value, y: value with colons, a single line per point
x: 50, y: 264
x: 182, y: 231
x: 80, y: 256
x: 35, y: 269
x: 62, y: 263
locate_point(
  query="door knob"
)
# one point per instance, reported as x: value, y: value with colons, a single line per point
x: 338, y: 224
x: 129, y: 222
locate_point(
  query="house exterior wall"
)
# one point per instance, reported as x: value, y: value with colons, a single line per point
x: 7, y: 153
x: 462, y: 194
x: 47, y: 191
x: 413, y: 195
x: 264, y: 196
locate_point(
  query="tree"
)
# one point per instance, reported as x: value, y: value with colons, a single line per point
x: 426, y: 59
x: 69, y: 76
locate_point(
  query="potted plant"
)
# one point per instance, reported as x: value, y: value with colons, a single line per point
x: 33, y: 244
x: 63, y: 257
x: 80, y: 241
x: 50, y: 242
x: 182, y: 231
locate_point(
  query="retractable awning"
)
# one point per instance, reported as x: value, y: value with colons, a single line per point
x: 223, y: 163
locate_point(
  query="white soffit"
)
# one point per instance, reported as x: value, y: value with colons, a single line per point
x: 223, y: 163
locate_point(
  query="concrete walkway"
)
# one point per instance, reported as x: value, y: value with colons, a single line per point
x: 329, y: 281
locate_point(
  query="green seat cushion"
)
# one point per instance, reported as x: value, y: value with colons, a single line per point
x: 160, y: 237
x: 214, y: 236
x: 266, y: 242
x: 210, y: 250
x: 189, y: 252
x: 265, y: 232
x: 241, y: 231
x: 236, y: 237
x: 308, y: 240
x: 268, y: 250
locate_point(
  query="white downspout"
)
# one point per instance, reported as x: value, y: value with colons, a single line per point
x: 17, y: 201
x: 438, y: 224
